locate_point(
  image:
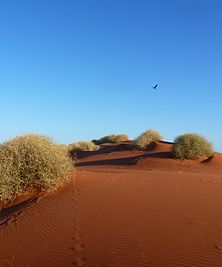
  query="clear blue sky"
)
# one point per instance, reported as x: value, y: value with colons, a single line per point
x: 81, y: 69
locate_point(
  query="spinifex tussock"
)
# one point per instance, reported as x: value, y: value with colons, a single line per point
x: 191, y: 146
x: 146, y: 138
x: 113, y: 138
x: 83, y: 146
x: 31, y: 161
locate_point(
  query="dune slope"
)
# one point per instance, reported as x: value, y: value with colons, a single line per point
x: 124, y: 208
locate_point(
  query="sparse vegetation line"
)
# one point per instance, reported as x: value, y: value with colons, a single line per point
x: 36, y: 162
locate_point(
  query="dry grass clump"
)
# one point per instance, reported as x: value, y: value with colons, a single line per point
x: 147, y: 138
x: 191, y: 146
x: 113, y: 138
x: 121, y: 138
x: 82, y: 146
x: 31, y: 161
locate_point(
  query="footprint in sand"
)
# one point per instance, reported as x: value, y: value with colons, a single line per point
x: 77, y: 237
x: 78, y: 247
x: 79, y: 261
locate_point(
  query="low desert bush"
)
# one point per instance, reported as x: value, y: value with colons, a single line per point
x: 32, y: 161
x: 191, y: 146
x: 114, y: 138
x: 82, y: 146
x: 146, y: 138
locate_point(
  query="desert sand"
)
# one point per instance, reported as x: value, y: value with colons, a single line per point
x: 122, y: 208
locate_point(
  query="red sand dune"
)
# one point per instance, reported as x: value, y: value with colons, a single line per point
x: 123, y: 208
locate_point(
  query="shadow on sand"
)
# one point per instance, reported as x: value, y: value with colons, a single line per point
x: 126, y: 160
x: 8, y: 214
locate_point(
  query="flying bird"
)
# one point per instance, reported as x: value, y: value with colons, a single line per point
x: 155, y: 87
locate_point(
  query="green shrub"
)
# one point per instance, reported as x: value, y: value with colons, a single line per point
x: 147, y: 138
x: 82, y: 146
x: 112, y: 139
x: 191, y: 146
x: 31, y: 161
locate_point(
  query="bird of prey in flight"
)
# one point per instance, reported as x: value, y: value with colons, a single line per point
x: 155, y: 87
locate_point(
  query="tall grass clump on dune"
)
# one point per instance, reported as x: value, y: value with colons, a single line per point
x: 146, y: 138
x: 82, y: 146
x: 191, y: 146
x: 113, y: 138
x: 32, y: 161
